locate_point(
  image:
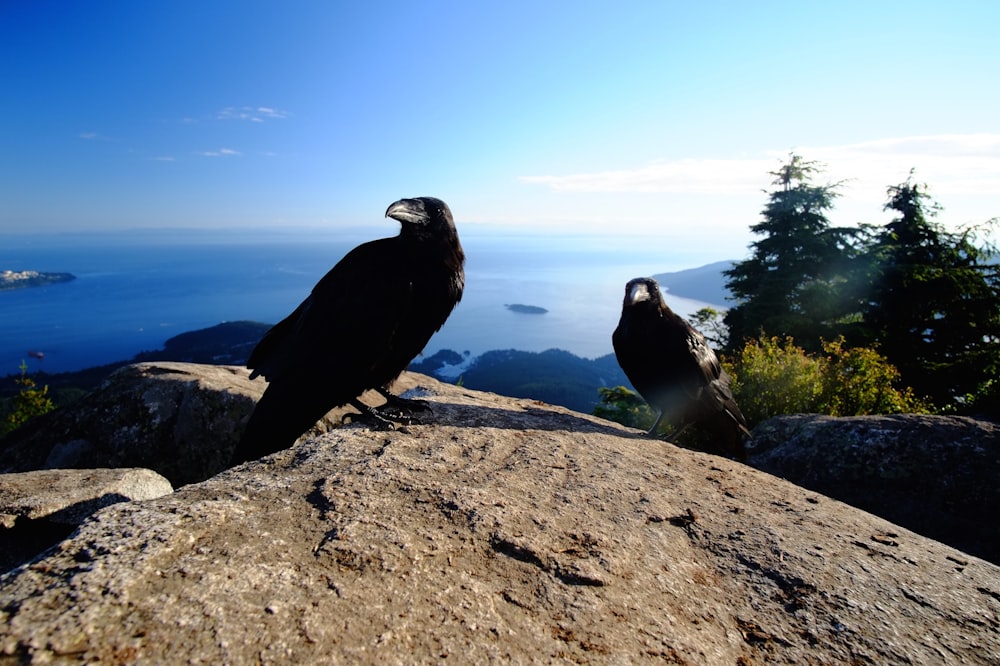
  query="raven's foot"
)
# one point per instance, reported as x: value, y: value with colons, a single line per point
x: 671, y: 435
x: 401, y: 409
x: 369, y: 416
x: 379, y: 418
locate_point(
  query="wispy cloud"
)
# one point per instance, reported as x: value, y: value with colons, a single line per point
x: 704, y: 176
x: 254, y: 114
x: 164, y: 158
x: 221, y: 152
x: 952, y: 164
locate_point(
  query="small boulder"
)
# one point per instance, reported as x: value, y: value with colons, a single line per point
x: 38, y: 509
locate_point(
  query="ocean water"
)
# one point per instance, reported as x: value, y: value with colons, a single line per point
x: 135, y: 290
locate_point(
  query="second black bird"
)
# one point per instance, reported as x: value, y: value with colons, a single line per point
x: 359, y: 328
x: 672, y: 367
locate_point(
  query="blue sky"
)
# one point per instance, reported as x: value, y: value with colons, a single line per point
x: 658, y: 120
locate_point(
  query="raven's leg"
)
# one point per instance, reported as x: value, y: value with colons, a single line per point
x: 672, y: 436
x: 401, y: 405
x: 656, y: 424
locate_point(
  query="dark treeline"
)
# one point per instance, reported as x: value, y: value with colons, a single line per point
x: 926, y: 298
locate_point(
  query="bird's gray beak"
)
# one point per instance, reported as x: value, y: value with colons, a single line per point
x: 408, y: 210
x: 638, y: 293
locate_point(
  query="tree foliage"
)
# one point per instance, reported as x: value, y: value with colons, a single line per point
x: 708, y: 321
x: 933, y: 300
x: 29, y: 402
x: 624, y: 406
x: 796, y: 283
x: 927, y: 298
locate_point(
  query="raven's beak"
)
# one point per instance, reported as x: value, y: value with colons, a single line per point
x: 638, y: 293
x: 408, y: 210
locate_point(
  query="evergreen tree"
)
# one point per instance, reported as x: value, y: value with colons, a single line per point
x: 934, y: 304
x: 30, y: 402
x: 798, y: 280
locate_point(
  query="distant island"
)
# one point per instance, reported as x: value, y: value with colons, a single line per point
x: 23, y: 279
x: 525, y: 309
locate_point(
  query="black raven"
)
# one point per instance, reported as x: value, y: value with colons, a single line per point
x: 359, y: 328
x: 675, y: 371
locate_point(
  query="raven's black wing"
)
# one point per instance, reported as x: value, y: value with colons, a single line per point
x: 323, y: 354
x: 344, y: 326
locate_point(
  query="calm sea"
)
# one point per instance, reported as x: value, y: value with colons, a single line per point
x: 135, y: 290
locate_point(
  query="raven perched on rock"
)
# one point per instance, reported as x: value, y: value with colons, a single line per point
x: 674, y: 370
x: 359, y: 328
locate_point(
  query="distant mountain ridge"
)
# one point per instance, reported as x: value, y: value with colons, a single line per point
x: 704, y: 283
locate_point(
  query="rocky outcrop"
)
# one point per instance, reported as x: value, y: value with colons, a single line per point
x: 180, y: 419
x: 499, y: 530
x: 936, y: 475
x: 40, y: 508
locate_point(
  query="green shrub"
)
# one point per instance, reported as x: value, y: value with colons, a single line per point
x: 27, y: 404
x: 860, y: 380
x: 623, y: 406
x: 772, y: 376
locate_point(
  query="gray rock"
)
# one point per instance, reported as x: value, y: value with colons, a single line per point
x: 180, y: 419
x: 936, y: 475
x: 501, y: 530
x: 37, y: 509
x: 68, y: 496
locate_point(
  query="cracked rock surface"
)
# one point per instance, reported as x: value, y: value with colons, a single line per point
x: 498, y: 530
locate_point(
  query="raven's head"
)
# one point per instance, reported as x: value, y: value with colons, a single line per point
x: 643, y: 291
x: 422, y: 216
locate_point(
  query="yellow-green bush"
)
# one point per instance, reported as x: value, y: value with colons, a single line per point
x: 859, y: 380
x: 773, y: 376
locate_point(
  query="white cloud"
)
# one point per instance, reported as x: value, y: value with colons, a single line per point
x: 221, y: 152
x: 704, y: 176
x: 164, y: 158
x: 253, y: 114
x: 967, y: 164
x: 955, y: 164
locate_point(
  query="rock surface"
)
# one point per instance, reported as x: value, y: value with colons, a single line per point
x: 181, y: 420
x: 936, y: 475
x: 68, y: 496
x: 39, y: 508
x: 500, y: 530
